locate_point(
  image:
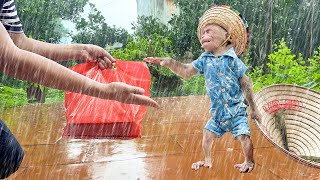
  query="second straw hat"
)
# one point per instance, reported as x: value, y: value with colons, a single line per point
x: 230, y: 21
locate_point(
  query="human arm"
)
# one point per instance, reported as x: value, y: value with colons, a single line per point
x: 61, y: 52
x: 32, y: 67
x: 246, y: 87
x: 186, y: 71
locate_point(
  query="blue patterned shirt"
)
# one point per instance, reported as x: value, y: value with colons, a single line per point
x: 222, y: 74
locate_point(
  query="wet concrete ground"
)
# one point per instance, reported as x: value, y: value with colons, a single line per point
x: 170, y: 143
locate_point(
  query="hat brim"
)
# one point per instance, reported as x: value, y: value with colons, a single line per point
x: 301, y: 117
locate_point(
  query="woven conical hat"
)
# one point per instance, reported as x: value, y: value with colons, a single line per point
x: 300, y: 110
x: 230, y: 21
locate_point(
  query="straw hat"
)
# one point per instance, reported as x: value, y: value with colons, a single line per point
x: 230, y: 21
x: 296, y: 109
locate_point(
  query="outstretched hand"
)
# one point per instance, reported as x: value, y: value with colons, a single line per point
x: 93, y: 53
x: 128, y: 94
x: 159, y: 61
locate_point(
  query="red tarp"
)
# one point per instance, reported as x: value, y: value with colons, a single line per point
x: 90, y: 117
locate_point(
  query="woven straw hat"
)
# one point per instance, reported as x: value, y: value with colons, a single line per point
x: 230, y: 21
x: 291, y: 121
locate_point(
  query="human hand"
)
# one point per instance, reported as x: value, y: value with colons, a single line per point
x: 129, y: 94
x: 159, y: 61
x: 93, y: 53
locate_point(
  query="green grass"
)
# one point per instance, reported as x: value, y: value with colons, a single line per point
x: 54, y: 95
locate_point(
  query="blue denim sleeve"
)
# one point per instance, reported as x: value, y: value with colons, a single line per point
x: 240, y: 68
x: 198, y: 65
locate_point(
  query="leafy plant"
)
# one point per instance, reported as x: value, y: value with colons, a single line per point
x: 194, y: 86
x: 314, y: 71
x: 10, y: 97
x: 286, y: 67
x: 54, y: 95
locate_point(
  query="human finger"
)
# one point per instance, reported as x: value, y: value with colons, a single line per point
x: 142, y: 100
x: 102, y: 65
x: 107, y: 62
x: 109, y: 58
x: 136, y: 90
x: 136, y: 97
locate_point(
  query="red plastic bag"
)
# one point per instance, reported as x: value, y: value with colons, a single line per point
x: 91, y: 117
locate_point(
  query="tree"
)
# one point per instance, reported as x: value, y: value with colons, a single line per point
x: 147, y: 26
x: 41, y: 19
x: 184, y: 26
x: 95, y: 30
x: 304, y: 31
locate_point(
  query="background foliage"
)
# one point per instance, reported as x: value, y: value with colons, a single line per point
x: 94, y: 30
x: 42, y: 19
x: 11, y: 97
x: 286, y: 67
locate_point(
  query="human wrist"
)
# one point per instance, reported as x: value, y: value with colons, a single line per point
x: 81, y: 51
x: 94, y: 88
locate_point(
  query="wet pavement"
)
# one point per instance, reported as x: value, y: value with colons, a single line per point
x: 170, y: 143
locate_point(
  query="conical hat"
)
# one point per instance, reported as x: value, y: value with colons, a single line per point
x: 299, y: 108
x: 230, y: 21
